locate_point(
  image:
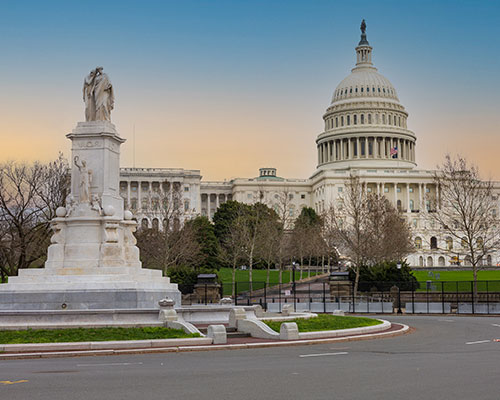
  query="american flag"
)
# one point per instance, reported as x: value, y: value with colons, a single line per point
x: 394, y: 152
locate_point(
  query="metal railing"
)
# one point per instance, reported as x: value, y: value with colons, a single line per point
x: 432, y: 297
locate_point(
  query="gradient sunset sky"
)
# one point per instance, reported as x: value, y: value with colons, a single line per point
x: 230, y: 86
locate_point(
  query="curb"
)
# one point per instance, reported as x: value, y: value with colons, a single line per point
x: 177, y: 349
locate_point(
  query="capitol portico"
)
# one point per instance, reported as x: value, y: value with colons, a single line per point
x: 365, y: 132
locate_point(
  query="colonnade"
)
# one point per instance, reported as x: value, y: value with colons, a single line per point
x: 140, y: 195
x: 211, y: 202
x: 370, y: 147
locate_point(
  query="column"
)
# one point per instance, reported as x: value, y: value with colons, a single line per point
x: 328, y: 151
x: 128, y: 195
x: 342, y: 149
x: 358, y: 152
x: 350, y: 144
x: 217, y: 201
x: 375, y: 147
x: 139, y: 197
x: 378, y: 188
x: 395, y: 194
x: 408, y: 197
x: 438, y: 197
x: 209, y: 214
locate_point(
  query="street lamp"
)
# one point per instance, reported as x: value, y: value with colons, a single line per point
x: 399, y: 290
x: 294, y: 265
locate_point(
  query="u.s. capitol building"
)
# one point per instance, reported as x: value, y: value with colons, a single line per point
x: 365, y: 130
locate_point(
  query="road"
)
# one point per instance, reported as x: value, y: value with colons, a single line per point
x: 445, y: 358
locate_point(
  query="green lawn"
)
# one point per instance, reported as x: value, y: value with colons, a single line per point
x: 326, y: 323
x: 87, y: 335
x: 259, y: 278
x: 459, y: 280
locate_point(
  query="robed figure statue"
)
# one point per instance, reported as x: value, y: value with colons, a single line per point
x: 98, y: 96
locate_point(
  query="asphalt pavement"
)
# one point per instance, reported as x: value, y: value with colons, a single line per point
x: 444, y: 358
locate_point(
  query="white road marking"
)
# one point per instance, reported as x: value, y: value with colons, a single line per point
x: 446, y: 320
x: 496, y: 325
x: 324, y: 354
x: 107, y: 365
x: 479, y: 342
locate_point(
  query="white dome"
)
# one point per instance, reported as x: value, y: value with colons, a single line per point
x: 364, y: 82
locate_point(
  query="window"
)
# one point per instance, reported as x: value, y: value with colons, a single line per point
x: 362, y: 118
x: 186, y: 188
x: 302, y: 196
x: 336, y: 122
x: 355, y: 119
x: 348, y: 120
x: 480, y: 243
x: 386, y: 190
x: 414, y: 222
x: 249, y: 196
x: 342, y: 120
x: 418, y: 242
x: 411, y: 205
x: 369, y: 118
x: 369, y: 190
x: 398, y: 189
x: 340, y: 189
x: 434, y: 243
x: 290, y: 196
x: 464, y: 242
x: 411, y: 190
x: 427, y: 190
x: 449, y: 243
x: 186, y: 205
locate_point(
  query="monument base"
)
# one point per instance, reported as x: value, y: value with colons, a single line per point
x: 91, y: 299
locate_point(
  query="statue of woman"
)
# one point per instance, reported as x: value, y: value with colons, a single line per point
x: 88, y: 96
x: 85, y: 180
x: 98, y: 96
x: 104, y: 96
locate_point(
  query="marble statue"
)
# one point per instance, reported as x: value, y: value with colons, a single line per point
x: 85, y: 180
x: 98, y: 96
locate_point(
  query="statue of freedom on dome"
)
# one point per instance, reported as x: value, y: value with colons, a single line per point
x: 363, y: 26
x: 98, y: 96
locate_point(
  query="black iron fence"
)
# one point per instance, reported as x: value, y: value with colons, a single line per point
x: 432, y: 297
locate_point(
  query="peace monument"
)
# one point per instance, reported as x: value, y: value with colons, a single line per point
x: 93, y: 261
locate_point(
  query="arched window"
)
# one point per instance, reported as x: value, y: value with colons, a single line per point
x: 480, y: 243
x: 348, y: 120
x: 488, y: 260
x: 389, y: 119
x: 342, y: 120
x: 362, y: 118
x: 369, y: 118
x: 418, y: 243
x: 399, y: 205
x: 144, y: 223
x: 411, y: 205
x: 441, y: 261
x: 355, y: 119
x: 420, y: 259
x: 336, y: 122
x: 434, y: 242
x: 383, y: 119
x: 464, y: 242
x: 156, y: 224
x: 430, y: 262
x: 449, y: 243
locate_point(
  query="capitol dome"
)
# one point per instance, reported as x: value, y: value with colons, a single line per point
x: 365, y: 124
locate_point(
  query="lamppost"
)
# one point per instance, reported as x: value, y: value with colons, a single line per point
x: 294, y: 265
x: 399, y: 290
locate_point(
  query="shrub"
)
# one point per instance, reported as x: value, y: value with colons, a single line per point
x: 385, y: 275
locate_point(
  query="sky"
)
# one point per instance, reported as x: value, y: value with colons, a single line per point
x: 228, y: 87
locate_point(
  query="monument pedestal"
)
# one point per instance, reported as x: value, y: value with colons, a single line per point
x: 93, y: 261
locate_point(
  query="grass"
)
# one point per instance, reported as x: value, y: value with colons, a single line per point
x: 453, y: 281
x: 326, y: 323
x: 259, y: 278
x: 88, y: 334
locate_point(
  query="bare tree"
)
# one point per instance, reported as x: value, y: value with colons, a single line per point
x: 174, y: 244
x: 29, y: 196
x: 466, y: 208
x: 366, y: 228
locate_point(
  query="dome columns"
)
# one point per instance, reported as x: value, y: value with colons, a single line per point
x: 370, y: 147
